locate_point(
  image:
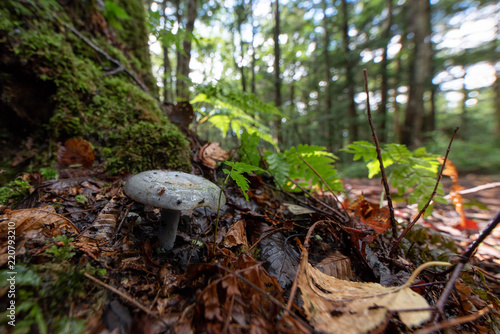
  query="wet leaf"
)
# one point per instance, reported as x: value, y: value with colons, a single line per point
x: 281, y: 256
x: 75, y: 151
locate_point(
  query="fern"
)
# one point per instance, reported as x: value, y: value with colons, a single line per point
x: 248, y: 150
x: 234, y: 110
x: 236, y: 173
x: 410, y: 172
x: 319, y: 159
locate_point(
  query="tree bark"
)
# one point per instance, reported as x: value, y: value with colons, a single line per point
x: 330, y: 134
x: 277, y: 73
x: 419, y: 72
x: 351, y: 109
x: 184, y: 59
x: 384, y: 86
x: 252, y: 64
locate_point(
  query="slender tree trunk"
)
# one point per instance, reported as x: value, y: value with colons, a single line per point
x: 384, y: 86
x: 497, y: 101
x: 463, y: 116
x: 242, y: 53
x: 351, y: 109
x: 277, y: 73
x: 252, y: 64
x: 166, y: 60
x: 330, y: 141
x: 185, y: 58
x: 420, y: 72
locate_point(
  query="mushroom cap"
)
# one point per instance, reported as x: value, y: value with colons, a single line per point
x: 173, y: 190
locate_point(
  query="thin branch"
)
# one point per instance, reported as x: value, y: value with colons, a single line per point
x: 271, y: 298
x: 463, y: 260
x: 107, y: 56
x: 326, y: 184
x: 454, y: 322
x: 440, y: 175
x: 121, y: 294
x: 476, y: 189
x: 379, y: 157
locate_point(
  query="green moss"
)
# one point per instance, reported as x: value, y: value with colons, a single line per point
x: 110, y: 111
x: 145, y: 146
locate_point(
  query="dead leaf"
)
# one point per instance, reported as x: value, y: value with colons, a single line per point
x: 104, y: 226
x: 211, y: 153
x: 336, y: 265
x: 372, y: 215
x: 75, y: 151
x: 43, y: 219
x: 456, y: 198
x: 282, y: 257
x: 236, y: 235
x: 336, y: 306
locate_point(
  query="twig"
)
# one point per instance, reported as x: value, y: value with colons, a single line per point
x: 293, y: 290
x: 463, y: 260
x: 326, y: 184
x: 107, y: 56
x: 454, y: 322
x: 379, y: 157
x: 440, y: 175
x: 271, y: 298
x: 476, y: 189
x: 121, y: 294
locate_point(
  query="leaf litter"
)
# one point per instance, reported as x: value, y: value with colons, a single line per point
x: 247, y: 286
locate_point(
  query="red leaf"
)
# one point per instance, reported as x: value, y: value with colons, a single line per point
x: 76, y: 151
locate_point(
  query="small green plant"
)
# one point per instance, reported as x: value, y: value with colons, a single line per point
x: 411, y: 173
x: 61, y: 253
x: 14, y: 191
x: 49, y: 173
x: 82, y: 199
x: 231, y: 110
x: 235, y: 173
x: 301, y: 164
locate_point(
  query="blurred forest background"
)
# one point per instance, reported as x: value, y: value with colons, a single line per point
x: 432, y: 66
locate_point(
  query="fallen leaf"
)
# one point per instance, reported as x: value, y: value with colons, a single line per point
x: 211, y: 153
x: 282, y: 257
x: 336, y: 265
x: 34, y: 221
x: 75, y: 151
x: 372, y: 215
x: 236, y: 235
x: 333, y: 305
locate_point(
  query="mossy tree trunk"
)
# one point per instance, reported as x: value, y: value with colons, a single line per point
x: 78, y: 69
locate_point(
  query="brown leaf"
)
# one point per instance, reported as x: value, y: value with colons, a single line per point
x: 372, y: 215
x: 34, y: 221
x: 336, y: 265
x: 211, y: 153
x: 75, y: 151
x: 337, y: 306
x: 236, y: 235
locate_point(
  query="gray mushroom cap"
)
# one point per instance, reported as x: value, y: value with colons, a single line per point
x: 173, y: 190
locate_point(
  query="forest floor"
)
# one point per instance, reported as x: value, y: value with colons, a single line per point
x: 88, y: 258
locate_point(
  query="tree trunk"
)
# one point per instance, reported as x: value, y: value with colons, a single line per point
x: 184, y: 59
x: 330, y: 132
x: 384, y: 86
x: 351, y: 109
x: 166, y: 61
x: 277, y: 73
x: 252, y: 64
x: 419, y: 72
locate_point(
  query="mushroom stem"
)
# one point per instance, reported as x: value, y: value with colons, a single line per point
x: 169, y: 221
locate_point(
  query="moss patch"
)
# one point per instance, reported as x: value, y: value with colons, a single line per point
x: 85, y: 100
